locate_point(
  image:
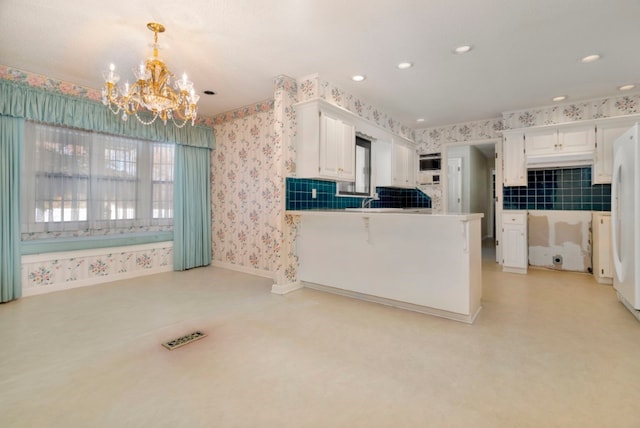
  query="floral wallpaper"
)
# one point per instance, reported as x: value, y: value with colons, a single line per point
x: 37, y: 80
x: 573, y: 112
x: 71, y: 269
x: 253, y: 155
x: 313, y: 87
x: 286, y: 95
x: 246, y: 194
x: 431, y: 140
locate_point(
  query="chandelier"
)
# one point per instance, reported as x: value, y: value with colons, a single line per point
x: 152, y: 91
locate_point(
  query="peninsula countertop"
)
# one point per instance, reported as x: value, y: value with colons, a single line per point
x: 386, y: 211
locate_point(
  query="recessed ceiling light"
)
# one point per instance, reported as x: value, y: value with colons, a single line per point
x: 626, y: 87
x: 462, y: 49
x: 420, y: 120
x: 209, y: 92
x: 559, y: 98
x: 590, y: 58
x: 405, y: 65
x: 358, y: 78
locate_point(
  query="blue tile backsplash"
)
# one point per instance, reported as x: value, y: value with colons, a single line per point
x: 299, y: 196
x: 559, y: 189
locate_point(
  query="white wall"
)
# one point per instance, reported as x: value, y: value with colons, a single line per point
x: 560, y: 233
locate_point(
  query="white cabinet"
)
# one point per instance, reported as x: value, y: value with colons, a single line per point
x: 395, y: 164
x: 560, y: 140
x: 541, y: 141
x: 514, y: 242
x: 577, y: 139
x: 404, y: 166
x: 325, y: 142
x: 602, y: 251
x: 606, y: 133
x: 514, y: 165
x: 337, y: 148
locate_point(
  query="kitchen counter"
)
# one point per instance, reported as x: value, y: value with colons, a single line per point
x: 380, y: 211
x: 412, y: 259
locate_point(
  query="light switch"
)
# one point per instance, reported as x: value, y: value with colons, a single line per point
x: 313, y: 193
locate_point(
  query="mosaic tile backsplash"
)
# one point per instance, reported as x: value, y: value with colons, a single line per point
x: 299, y: 196
x: 559, y: 189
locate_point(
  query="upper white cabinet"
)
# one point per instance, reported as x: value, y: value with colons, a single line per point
x: 606, y: 134
x: 560, y: 140
x: 404, y: 166
x: 395, y: 164
x: 325, y: 142
x: 541, y: 141
x: 514, y: 168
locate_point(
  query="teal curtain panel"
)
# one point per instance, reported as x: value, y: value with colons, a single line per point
x: 11, y: 134
x: 192, y: 208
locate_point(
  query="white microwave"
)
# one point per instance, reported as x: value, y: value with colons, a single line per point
x: 430, y: 162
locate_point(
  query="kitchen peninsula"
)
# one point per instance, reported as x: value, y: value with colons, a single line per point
x: 411, y: 259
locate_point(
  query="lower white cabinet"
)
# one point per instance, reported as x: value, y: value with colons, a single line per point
x: 514, y: 242
x: 601, y: 249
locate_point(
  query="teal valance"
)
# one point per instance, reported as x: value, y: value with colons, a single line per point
x: 20, y: 100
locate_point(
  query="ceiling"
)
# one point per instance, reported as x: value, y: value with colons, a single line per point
x: 525, y: 52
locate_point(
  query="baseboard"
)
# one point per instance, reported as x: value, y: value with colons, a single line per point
x: 286, y: 288
x: 465, y: 318
x: 243, y: 269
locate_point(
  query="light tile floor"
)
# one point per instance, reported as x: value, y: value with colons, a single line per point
x: 549, y: 349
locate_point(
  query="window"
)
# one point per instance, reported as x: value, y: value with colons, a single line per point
x: 77, y: 181
x: 362, y: 185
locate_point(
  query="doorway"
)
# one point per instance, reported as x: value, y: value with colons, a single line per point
x: 472, y: 185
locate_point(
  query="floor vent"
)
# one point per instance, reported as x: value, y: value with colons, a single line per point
x: 184, y: 340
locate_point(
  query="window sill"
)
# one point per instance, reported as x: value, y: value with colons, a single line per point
x: 74, y: 244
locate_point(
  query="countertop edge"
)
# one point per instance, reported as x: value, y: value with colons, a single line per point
x: 461, y: 216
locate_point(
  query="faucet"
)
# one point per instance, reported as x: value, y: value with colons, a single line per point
x: 366, y: 202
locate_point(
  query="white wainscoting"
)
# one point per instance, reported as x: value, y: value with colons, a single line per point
x: 47, y: 272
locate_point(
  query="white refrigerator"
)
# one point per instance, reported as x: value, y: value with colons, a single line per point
x: 625, y: 210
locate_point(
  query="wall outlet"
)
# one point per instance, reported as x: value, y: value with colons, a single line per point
x: 313, y: 194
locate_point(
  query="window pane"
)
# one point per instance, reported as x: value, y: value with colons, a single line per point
x: 162, y: 181
x: 76, y: 180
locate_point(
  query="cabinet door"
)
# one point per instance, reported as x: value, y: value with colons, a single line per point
x: 577, y: 139
x: 514, y: 241
x: 331, y: 146
x: 514, y: 246
x: 403, y: 166
x: 606, y: 135
x: 411, y: 167
x: 337, y: 148
x: 604, y: 247
x: 514, y: 167
x: 347, y: 167
x: 602, y: 251
x: 541, y: 142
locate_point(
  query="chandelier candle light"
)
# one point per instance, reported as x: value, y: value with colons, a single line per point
x: 152, y: 91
